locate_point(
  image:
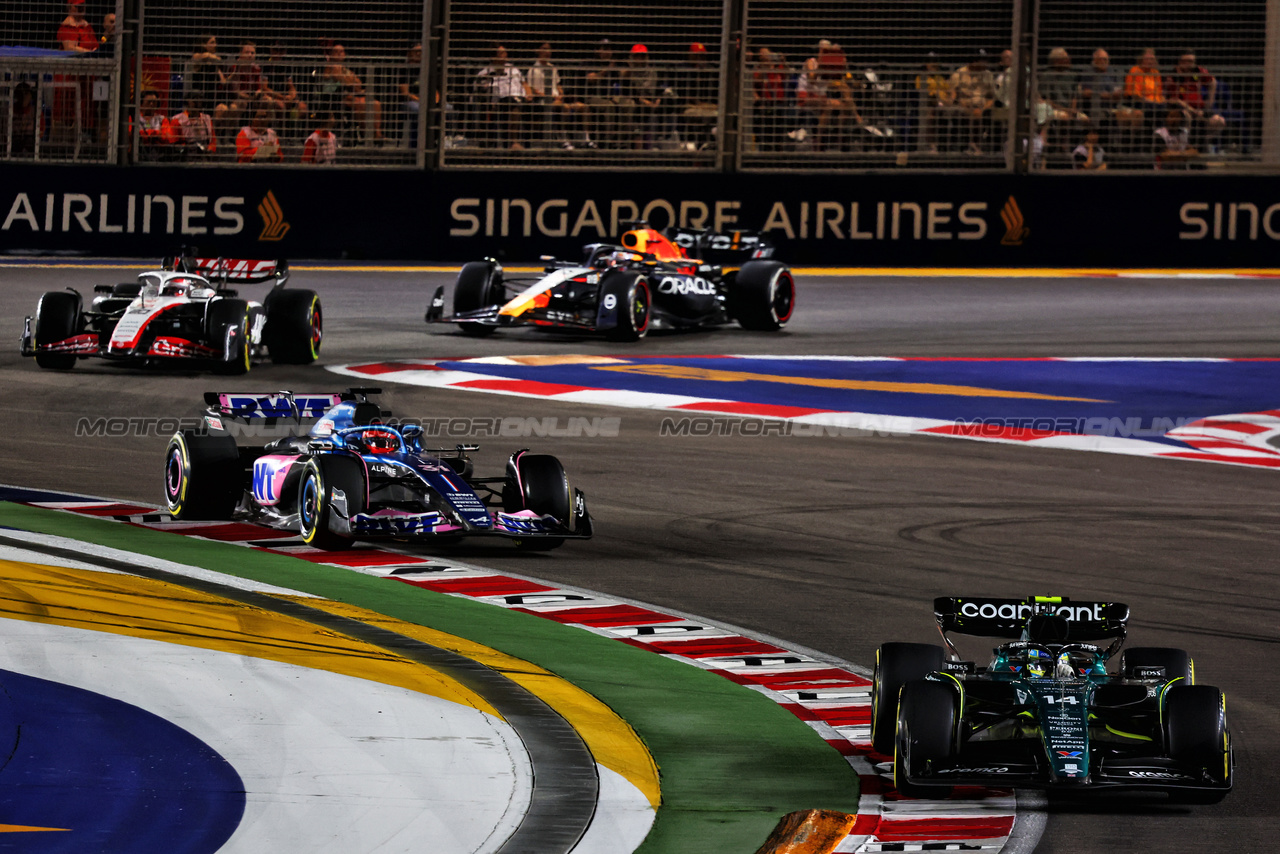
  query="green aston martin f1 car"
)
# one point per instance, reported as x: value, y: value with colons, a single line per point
x: 1046, y: 712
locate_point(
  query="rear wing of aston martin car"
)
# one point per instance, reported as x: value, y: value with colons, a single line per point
x: 1006, y: 618
x: 240, y: 270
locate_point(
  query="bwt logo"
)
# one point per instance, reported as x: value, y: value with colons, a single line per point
x: 277, y: 406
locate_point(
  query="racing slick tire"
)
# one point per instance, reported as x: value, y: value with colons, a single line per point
x: 295, y: 327
x: 896, y: 665
x: 635, y: 305
x: 763, y: 295
x: 479, y: 285
x: 1177, y: 663
x: 202, y: 476
x: 925, y: 732
x: 57, y: 318
x: 1196, y: 735
x: 543, y: 487
x: 229, y: 319
x: 315, y: 498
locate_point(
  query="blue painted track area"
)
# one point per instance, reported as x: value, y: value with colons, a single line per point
x: 84, y: 772
x: 1065, y: 396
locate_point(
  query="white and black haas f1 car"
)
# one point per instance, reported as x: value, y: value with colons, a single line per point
x: 1046, y: 712
x: 184, y: 311
x: 354, y: 476
x: 650, y: 281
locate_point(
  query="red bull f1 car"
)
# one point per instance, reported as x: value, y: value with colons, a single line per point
x: 1046, y: 711
x: 355, y: 475
x: 683, y: 279
x: 188, y: 311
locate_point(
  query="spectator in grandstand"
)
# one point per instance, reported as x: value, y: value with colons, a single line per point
x: 279, y: 75
x: 831, y: 59
x: 339, y: 80
x: 155, y: 133
x: 206, y: 79
x: 975, y: 90
x: 193, y: 130
x: 826, y: 97
x: 322, y: 145
x: 1089, y: 154
x: 257, y: 142
x: 768, y: 99
x: 1173, y: 142
x: 107, y: 41
x: 251, y: 87
x: 409, y: 88
x: 1144, y: 90
x: 554, y: 116
x: 503, y: 83
x: 697, y: 88
x: 75, y: 33
x: 936, y: 100
x: 1102, y: 94
x: 611, y: 110
x: 640, y: 84
x: 1057, y: 109
x: 1193, y: 88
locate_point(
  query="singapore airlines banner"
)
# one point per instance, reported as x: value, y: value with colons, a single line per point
x: 969, y: 220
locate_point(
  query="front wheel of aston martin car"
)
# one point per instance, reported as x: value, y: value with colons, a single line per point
x: 325, y: 480
x: 630, y: 291
x: 57, y: 319
x: 896, y: 665
x: 1196, y: 736
x: 202, y: 476
x: 1177, y: 663
x: 926, y: 733
x: 295, y: 327
x: 763, y: 295
x: 543, y: 487
x: 479, y: 285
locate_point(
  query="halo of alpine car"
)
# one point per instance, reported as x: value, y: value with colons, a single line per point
x: 1046, y: 712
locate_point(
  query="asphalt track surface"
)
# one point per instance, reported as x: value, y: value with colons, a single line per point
x: 832, y: 543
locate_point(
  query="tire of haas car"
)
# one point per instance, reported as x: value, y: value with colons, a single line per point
x: 295, y: 327
x: 631, y: 290
x: 926, y: 731
x: 221, y: 315
x: 896, y: 665
x: 1177, y: 663
x: 1195, y: 729
x: 315, y: 498
x: 57, y: 318
x: 478, y: 286
x: 544, y: 489
x: 202, y: 476
x: 763, y: 295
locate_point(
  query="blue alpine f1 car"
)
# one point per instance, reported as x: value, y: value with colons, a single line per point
x: 355, y: 475
x: 1046, y: 712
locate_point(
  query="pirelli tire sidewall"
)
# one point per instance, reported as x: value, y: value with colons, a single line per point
x: 319, y: 523
x: 203, y: 476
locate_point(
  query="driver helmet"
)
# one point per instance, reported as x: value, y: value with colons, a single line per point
x: 380, y: 441
x: 1039, y: 663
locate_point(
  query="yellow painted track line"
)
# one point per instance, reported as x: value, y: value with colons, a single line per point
x: 909, y: 272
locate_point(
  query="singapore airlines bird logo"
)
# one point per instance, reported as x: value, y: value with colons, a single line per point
x: 273, y: 225
x: 1015, y: 227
